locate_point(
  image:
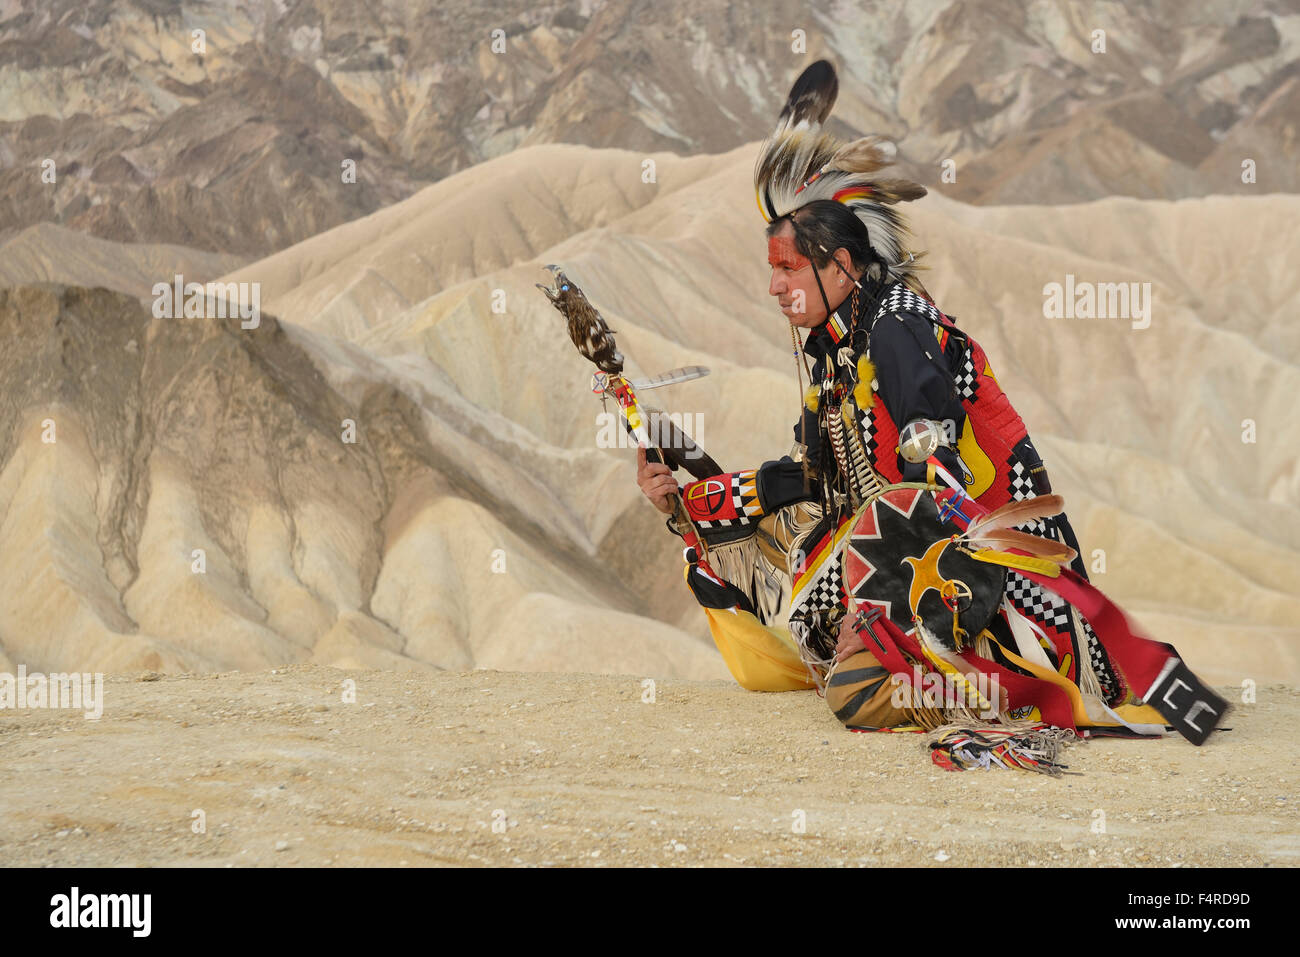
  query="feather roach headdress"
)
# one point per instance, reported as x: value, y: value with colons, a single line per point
x: 799, y: 163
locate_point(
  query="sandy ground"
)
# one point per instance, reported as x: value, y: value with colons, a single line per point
x: 499, y: 768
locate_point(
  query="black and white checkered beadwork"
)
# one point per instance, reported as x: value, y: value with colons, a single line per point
x: 902, y: 299
x: 1022, y: 483
x: 1100, y: 663
x: 966, y: 377
x: 827, y: 590
x: 1034, y: 600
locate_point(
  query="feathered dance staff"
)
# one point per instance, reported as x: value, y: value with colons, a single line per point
x: 595, y: 340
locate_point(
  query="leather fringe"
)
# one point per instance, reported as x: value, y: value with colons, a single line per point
x: 744, y: 565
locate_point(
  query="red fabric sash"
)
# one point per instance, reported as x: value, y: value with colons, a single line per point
x: 1137, y: 658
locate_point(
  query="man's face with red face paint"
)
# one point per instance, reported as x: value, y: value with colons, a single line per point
x: 793, y: 281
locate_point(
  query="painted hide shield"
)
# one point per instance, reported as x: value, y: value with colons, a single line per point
x: 902, y: 558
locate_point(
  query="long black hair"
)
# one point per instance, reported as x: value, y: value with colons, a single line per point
x: 823, y: 226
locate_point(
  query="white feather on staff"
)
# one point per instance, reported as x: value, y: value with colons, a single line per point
x: 671, y: 377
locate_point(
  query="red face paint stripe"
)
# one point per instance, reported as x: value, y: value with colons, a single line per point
x: 781, y: 252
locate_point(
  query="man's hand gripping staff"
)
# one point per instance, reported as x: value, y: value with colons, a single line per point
x: 595, y: 340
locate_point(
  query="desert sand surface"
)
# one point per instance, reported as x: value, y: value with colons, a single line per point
x: 581, y: 770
